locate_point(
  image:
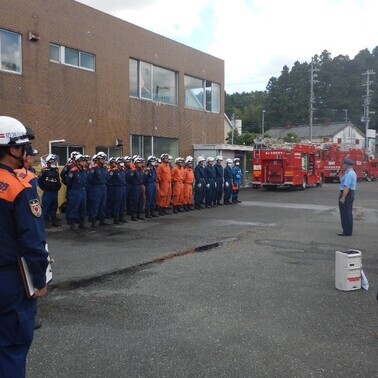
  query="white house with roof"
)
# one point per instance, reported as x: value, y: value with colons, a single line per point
x: 345, y: 134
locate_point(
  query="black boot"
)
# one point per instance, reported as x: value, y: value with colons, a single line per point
x: 161, y: 211
x: 82, y: 225
x: 73, y: 226
x: 47, y: 223
x: 154, y: 215
x: 93, y: 222
x: 122, y: 219
x: 133, y: 217
x: 166, y: 211
x: 180, y: 209
x: 102, y: 222
x: 56, y: 222
x: 219, y: 203
x: 175, y: 211
x: 147, y: 213
x: 116, y: 220
x: 139, y: 216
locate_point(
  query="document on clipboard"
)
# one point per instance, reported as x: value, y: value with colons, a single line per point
x: 27, y: 278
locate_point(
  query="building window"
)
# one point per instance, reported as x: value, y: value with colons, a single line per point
x: 72, y: 57
x: 152, y: 82
x: 357, y: 141
x: 145, y: 146
x: 110, y: 151
x: 339, y: 140
x: 64, y: 152
x: 202, y: 94
x: 10, y: 52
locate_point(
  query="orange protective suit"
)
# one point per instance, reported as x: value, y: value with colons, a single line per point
x: 187, y: 192
x: 165, y: 189
x: 178, y: 173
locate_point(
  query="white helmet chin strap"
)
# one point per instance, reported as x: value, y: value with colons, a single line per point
x: 20, y: 158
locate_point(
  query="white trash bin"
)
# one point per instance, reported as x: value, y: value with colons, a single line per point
x: 348, y: 266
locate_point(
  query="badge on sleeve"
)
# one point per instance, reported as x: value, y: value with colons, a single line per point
x: 35, y: 207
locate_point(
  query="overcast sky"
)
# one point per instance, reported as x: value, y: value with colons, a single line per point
x: 256, y: 38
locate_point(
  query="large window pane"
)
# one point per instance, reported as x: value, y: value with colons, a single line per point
x: 10, y: 51
x: 165, y: 145
x: 208, y: 96
x: 193, y: 92
x: 87, y: 61
x: 145, y: 80
x: 54, y: 52
x: 71, y: 57
x: 147, y: 146
x: 215, y: 98
x: 136, y: 145
x: 133, y: 78
x: 164, y: 85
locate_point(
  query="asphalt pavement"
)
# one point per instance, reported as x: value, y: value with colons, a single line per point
x: 245, y: 290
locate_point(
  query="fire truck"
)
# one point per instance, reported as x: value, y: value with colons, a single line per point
x: 333, y: 156
x: 287, y: 166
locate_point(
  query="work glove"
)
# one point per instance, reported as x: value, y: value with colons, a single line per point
x: 226, y: 184
x: 207, y: 185
x: 199, y: 185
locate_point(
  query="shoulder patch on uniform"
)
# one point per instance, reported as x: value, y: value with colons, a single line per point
x: 35, y: 207
x: 70, y: 174
x: 111, y: 173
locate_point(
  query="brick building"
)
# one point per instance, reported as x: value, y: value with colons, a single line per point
x: 74, y: 73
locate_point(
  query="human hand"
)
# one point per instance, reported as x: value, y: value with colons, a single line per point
x: 38, y: 293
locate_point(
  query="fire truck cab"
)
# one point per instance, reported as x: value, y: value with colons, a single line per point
x: 288, y: 166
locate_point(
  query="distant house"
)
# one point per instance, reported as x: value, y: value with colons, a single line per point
x: 345, y: 134
x: 228, y: 126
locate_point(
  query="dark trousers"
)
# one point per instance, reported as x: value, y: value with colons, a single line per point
x: 346, y: 213
x: 17, y: 314
x: 49, y: 204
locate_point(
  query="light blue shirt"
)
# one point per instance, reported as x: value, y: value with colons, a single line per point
x: 349, y: 180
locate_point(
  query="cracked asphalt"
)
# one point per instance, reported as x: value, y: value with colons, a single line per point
x: 235, y: 291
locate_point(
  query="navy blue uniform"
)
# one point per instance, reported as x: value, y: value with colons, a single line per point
x: 97, y: 197
x: 49, y: 182
x: 219, y: 181
x: 236, y: 180
x: 117, y: 192
x: 227, y: 184
x: 210, y: 185
x: 137, y: 190
x: 77, y: 195
x: 21, y: 234
x: 149, y: 179
x: 200, y: 184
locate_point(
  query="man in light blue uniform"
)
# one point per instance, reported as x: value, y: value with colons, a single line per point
x: 346, y: 197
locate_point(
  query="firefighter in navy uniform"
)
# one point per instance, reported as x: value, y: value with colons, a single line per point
x: 219, y: 171
x: 227, y: 182
x: 210, y: 183
x: 22, y: 235
x: 77, y: 195
x: 137, y: 190
x: 49, y: 182
x: 200, y: 183
x: 150, y: 178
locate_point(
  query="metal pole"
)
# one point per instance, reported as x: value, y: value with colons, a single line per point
x: 233, y: 127
x: 262, y: 124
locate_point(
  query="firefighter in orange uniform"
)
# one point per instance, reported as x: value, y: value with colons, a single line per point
x: 178, y: 173
x: 188, y: 184
x: 165, y: 189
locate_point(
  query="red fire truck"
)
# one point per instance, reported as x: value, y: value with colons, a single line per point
x: 288, y: 166
x: 333, y: 157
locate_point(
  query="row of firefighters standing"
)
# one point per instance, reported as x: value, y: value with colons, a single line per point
x: 136, y: 187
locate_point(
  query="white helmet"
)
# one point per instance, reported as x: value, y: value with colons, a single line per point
x: 164, y: 156
x: 79, y: 157
x: 94, y: 157
x: 151, y: 158
x: 210, y: 159
x: 12, y: 132
x: 229, y: 161
x: 200, y: 158
x: 112, y: 160
x: 73, y: 154
x: 188, y: 160
x: 236, y: 159
x: 179, y: 160
x: 127, y: 158
x: 219, y: 158
x: 138, y: 160
x: 50, y: 158
x: 101, y: 155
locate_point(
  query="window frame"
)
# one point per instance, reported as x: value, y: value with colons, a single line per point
x: 19, y: 51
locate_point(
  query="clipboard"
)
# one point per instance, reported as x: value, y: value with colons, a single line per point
x: 27, y: 278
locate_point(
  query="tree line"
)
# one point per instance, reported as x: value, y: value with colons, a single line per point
x: 339, y: 90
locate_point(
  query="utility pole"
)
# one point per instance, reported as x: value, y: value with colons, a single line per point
x: 233, y: 127
x: 262, y: 124
x: 312, y: 97
x: 346, y: 115
x: 367, y: 100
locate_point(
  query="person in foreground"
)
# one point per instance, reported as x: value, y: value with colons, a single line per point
x: 346, y: 197
x: 22, y: 235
